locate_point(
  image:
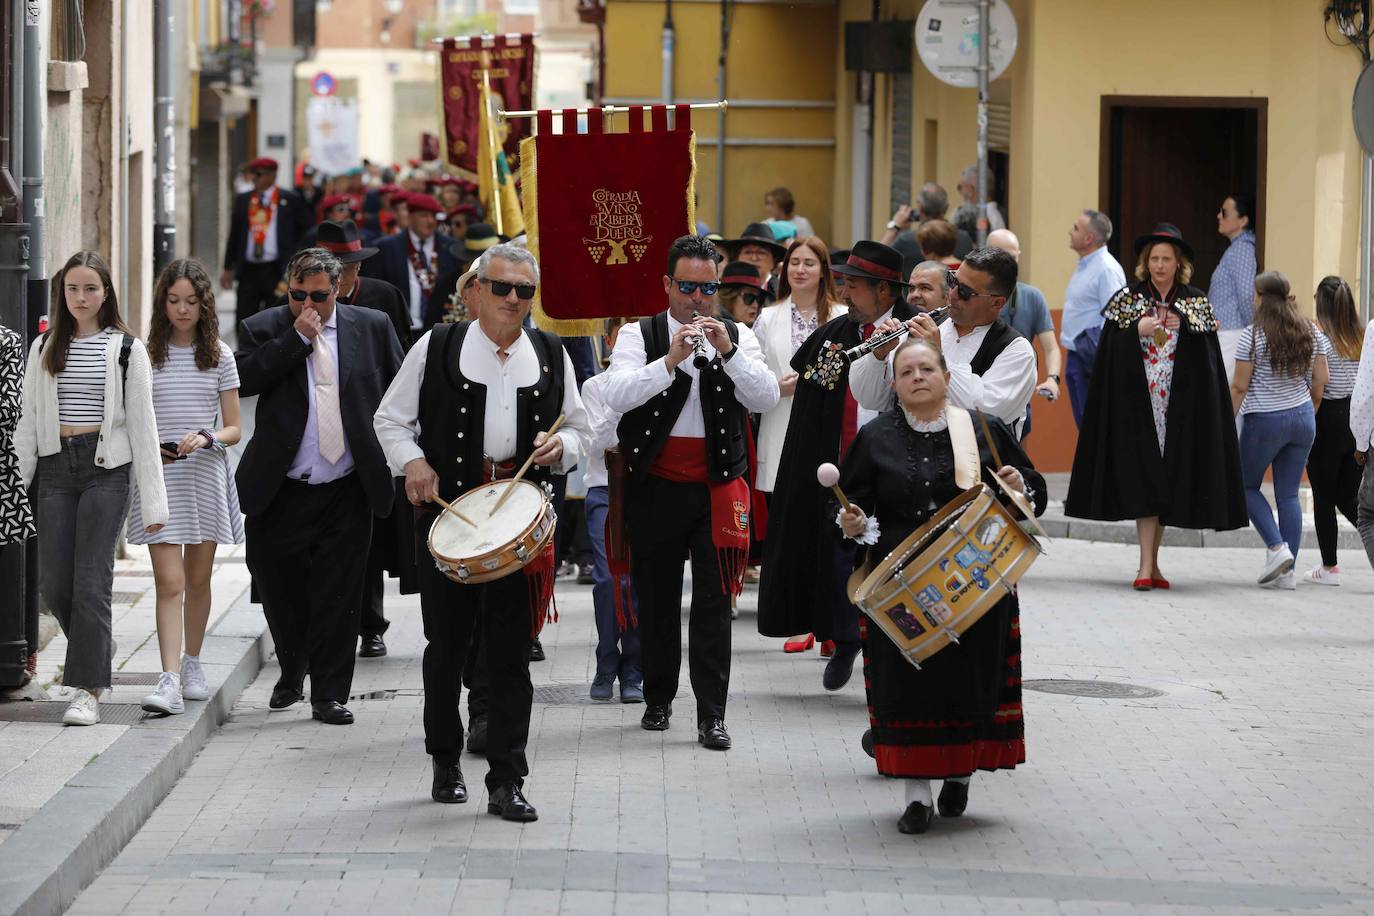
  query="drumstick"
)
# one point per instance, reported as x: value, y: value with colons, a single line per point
x: 526, y: 466
x: 449, y: 506
x: 827, y: 475
x: 992, y: 445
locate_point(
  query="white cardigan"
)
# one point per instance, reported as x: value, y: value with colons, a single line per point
x: 128, y: 429
x: 773, y: 328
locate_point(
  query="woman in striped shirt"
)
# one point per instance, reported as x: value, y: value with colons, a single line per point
x: 195, y: 383
x: 1333, y: 468
x: 1280, y: 374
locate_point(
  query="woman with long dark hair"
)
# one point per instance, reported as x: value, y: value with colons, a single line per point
x: 86, y: 429
x: 1333, y: 466
x: 1280, y: 374
x: 195, y: 384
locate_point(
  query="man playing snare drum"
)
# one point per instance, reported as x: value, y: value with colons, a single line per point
x: 495, y: 388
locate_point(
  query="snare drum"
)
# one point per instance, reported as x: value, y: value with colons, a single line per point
x: 495, y: 545
x: 946, y: 575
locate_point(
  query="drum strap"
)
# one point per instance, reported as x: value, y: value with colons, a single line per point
x: 967, y: 472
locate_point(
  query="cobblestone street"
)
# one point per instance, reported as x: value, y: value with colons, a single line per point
x: 1240, y: 786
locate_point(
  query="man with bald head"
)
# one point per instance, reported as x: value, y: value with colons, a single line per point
x: 1029, y: 315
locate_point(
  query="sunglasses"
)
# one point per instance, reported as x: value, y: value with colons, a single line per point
x: 752, y: 298
x: 523, y: 291
x: 318, y: 296
x: 687, y: 287
x: 963, y: 290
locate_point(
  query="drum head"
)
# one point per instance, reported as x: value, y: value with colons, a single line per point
x: 454, y: 539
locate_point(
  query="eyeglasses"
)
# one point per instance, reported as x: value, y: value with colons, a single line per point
x: 962, y: 290
x: 317, y: 296
x: 751, y: 298
x: 687, y: 287
x: 523, y: 291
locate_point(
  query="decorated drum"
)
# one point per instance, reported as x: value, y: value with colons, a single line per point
x: 492, y: 545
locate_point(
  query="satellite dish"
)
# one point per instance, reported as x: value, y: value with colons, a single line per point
x: 947, y: 40
x: 1362, y: 107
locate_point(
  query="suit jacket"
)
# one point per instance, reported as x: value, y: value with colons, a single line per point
x: 293, y: 218
x: 271, y: 361
x: 392, y: 264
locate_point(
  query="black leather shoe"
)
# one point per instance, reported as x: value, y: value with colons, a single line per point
x: 656, y: 718
x: 508, y: 802
x: 953, y: 798
x: 916, y: 819
x: 477, y: 735
x: 284, y: 695
x: 840, y: 667
x: 449, y: 787
x: 712, y: 734
x: 372, y: 646
x: 331, y: 712
x: 536, y: 650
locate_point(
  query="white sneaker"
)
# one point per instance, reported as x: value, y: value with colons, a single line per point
x: 84, y: 709
x: 1276, y: 563
x: 166, y: 699
x: 1285, y: 582
x: 194, y: 686
x: 1320, y: 575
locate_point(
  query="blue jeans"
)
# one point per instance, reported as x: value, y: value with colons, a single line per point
x: 1282, y: 439
x: 1077, y: 373
x: 617, y: 654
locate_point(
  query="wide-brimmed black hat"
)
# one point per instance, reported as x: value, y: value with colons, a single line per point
x: 742, y: 273
x: 1165, y: 232
x: 756, y: 234
x: 342, y: 240
x: 873, y: 261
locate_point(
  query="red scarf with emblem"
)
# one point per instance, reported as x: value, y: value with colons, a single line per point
x: 260, y: 218
x: 683, y: 459
x: 424, y: 272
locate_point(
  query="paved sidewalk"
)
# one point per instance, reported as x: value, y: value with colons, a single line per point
x: 1240, y: 786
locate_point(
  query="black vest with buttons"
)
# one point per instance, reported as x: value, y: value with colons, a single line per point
x: 453, y: 409
x: 644, y: 430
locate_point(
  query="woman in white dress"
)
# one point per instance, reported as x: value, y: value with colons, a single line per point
x: 195, y: 383
x: 806, y: 300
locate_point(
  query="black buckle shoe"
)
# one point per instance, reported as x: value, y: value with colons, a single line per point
x: 331, y: 712
x: 448, y: 787
x: 953, y: 798
x: 841, y: 666
x: 372, y: 646
x: 508, y: 802
x: 477, y: 735
x: 285, y: 694
x: 916, y: 818
x: 656, y: 718
x: 536, y: 650
x: 711, y: 733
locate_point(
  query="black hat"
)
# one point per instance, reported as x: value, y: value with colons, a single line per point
x: 756, y: 234
x: 742, y: 273
x: 873, y: 261
x: 1165, y: 232
x: 839, y: 257
x: 342, y: 240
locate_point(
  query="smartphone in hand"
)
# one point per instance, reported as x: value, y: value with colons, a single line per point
x: 170, y: 450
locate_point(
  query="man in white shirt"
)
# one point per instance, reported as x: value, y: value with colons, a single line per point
x: 1096, y: 278
x: 992, y: 368
x: 686, y: 383
x: 1362, y: 428
x: 470, y: 404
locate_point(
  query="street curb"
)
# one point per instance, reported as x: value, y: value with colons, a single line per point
x: 49, y: 860
x: 1060, y: 527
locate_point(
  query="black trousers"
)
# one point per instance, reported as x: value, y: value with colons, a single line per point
x: 668, y: 523
x: 498, y: 615
x: 307, y: 553
x: 371, y: 620
x: 257, y: 287
x: 1334, y: 475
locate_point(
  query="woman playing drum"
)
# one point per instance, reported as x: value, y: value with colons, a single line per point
x: 961, y: 710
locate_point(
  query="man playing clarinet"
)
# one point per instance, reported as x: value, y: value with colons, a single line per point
x: 685, y: 384
x: 471, y: 403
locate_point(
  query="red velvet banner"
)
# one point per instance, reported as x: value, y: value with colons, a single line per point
x: 606, y: 208
x: 510, y: 65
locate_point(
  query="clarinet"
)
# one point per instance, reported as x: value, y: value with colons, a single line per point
x: 877, y: 340
x: 699, y: 357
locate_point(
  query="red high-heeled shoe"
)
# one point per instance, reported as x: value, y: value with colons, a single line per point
x: 1160, y: 583
x: 1143, y: 585
x: 800, y: 643
x: 827, y: 648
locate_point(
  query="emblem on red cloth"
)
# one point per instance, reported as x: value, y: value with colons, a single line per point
x: 616, y: 225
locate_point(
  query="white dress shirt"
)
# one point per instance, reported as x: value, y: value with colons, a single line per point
x: 269, y: 244
x: 418, y: 304
x: 603, y: 422
x: 630, y: 382
x: 1003, y: 391
x: 1362, y: 398
x: 308, y: 459
x: 397, y: 421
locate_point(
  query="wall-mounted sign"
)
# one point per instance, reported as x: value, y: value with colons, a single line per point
x: 947, y: 40
x: 324, y: 84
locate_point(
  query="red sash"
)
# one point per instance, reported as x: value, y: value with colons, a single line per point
x: 424, y: 273
x: 683, y: 460
x: 259, y: 219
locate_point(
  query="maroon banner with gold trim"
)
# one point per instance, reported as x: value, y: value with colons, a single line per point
x: 601, y: 210
x: 509, y: 62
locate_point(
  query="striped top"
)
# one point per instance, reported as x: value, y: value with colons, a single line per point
x: 1341, y: 381
x: 1269, y: 391
x: 185, y: 398
x: 81, y: 385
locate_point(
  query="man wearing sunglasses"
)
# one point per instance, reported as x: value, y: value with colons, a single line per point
x: 472, y: 402
x: 313, y: 475
x: 685, y: 384
x: 992, y: 368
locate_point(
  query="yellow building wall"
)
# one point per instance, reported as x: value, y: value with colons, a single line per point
x: 756, y: 70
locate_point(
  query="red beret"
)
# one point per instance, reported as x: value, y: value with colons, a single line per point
x: 333, y: 200
x: 464, y: 209
x: 423, y: 202
x: 400, y: 196
x: 263, y: 164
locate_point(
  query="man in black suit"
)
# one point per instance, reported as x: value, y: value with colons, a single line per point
x: 413, y: 261
x: 265, y: 226
x: 313, y: 475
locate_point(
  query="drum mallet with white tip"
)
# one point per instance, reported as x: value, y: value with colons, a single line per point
x: 827, y: 475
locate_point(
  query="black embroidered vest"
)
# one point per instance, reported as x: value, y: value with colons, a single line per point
x: 644, y: 430
x: 453, y: 409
